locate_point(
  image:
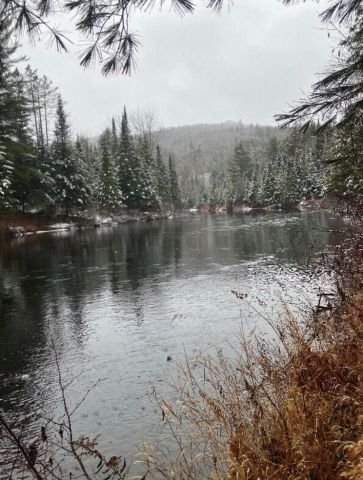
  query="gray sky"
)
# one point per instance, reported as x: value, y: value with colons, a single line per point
x: 246, y: 64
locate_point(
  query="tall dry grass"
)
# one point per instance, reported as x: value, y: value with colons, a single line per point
x: 286, y: 408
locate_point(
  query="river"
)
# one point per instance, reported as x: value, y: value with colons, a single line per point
x: 125, y: 304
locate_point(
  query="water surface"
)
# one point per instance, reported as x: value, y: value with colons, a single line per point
x: 118, y: 301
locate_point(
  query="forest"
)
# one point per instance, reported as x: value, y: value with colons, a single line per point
x: 46, y: 166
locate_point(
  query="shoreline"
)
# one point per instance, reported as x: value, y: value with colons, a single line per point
x: 18, y: 224
x: 15, y: 224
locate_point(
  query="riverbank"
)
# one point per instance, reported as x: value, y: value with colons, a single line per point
x: 304, y: 205
x: 17, y: 224
x: 20, y: 224
x: 290, y: 407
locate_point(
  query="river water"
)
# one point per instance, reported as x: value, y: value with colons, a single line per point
x: 118, y: 301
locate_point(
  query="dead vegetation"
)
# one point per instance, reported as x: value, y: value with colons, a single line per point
x: 287, y: 407
x: 56, y: 451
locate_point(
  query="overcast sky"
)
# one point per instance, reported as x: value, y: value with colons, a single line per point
x: 247, y: 63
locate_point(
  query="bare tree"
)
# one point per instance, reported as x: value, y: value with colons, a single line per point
x: 144, y: 124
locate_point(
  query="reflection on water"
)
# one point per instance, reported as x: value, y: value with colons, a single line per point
x: 117, y: 301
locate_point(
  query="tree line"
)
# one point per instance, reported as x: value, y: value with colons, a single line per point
x: 292, y: 169
x: 264, y: 166
x: 45, y: 166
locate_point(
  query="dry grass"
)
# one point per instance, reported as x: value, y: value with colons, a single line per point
x: 285, y: 408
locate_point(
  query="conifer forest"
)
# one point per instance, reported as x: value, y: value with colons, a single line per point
x: 46, y: 166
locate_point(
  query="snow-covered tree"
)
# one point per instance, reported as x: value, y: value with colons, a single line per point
x: 134, y: 173
x: 69, y: 183
x: 239, y: 173
x: 6, y: 177
x: 175, y: 194
x: 109, y: 194
x: 346, y: 157
x: 162, y: 178
x: 253, y: 191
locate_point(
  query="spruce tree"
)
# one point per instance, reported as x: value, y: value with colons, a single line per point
x: 175, y: 194
x: 134, y: 175
x: 252, y: 196
x: 162, y: 178
x: 148, y: 175
x: 239, y: 173
x: 346, y: 157
x: 114, y: 138
x: 65, y: 168
x: 82, y: 176
x: 108, y: 192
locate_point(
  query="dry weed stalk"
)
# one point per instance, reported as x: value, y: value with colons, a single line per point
x: 286, y: 408
x: 57, y: 452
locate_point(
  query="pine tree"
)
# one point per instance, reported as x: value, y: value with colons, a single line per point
x: 27, y: 175
x: 8, y: 102
x: 42, y: 99
x: 108, y: 192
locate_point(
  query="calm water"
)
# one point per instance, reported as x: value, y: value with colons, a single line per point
x: 118, y: 301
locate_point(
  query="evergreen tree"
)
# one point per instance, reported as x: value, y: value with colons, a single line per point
x: 162, y: 178
x: 252, y: 196
x: 239, y: 173
x: 14, y: 123
x: 42, y: 99
x: 114, y: 138
x: 134, y: 175
x: 269, y: 190
x: 218, y: 188
x: 27, y: 175
x: 175, y: 194
x: 148, y: 174
x: 336, y: 99
x: 290, y: 188
x: 6, y: 177
x: 108, y: 192
x: 346, y: 157
x: 67, y: 175
x: 83, y: 175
